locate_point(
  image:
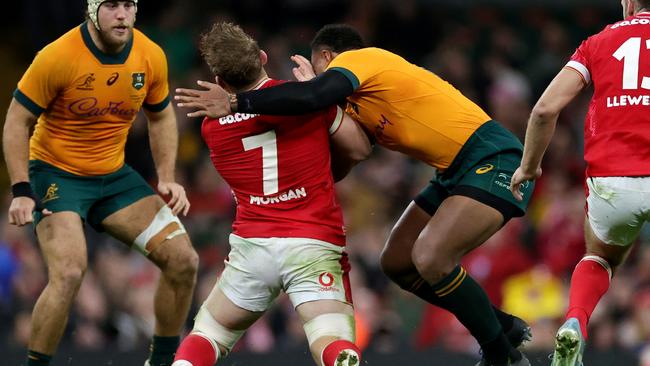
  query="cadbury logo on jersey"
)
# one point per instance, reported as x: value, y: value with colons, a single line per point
x: 87, y: 107
x: 237, y: 117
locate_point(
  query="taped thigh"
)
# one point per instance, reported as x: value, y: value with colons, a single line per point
x: 164, y: 226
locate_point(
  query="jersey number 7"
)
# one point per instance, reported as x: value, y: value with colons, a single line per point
x: 268, y: 143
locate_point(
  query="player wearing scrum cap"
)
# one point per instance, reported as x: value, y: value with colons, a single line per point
x: 71, y: 171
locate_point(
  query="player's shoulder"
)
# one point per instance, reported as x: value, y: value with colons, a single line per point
x: 60, y: 48
x: 142, y: 41
x: 632, y: 24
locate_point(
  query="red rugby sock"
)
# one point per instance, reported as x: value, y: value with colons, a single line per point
x: 334, y: 349
x: 589, y: 282
x: 197, y: 350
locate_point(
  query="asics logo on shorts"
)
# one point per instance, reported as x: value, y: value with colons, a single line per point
x: 51, y: 193
x: 484, y: 169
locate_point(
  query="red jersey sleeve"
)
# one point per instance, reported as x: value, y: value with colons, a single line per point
x: 580, y: 61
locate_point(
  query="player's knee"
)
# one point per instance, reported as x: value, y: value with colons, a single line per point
x: 221, y: 338
x: 330, y: 325
x: 433, y: 265
x: 67, y: 279
x: 182, y: 266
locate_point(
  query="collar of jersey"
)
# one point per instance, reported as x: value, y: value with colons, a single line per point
x: 105, y: 58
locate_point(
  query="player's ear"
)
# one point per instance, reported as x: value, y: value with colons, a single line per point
x: 264, y: 58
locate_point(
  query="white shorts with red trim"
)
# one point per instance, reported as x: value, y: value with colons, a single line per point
x: 257, y: 269
x: 618, y: 207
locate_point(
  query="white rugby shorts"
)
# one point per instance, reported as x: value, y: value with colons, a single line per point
x: 617, y: 207
x: 257, y: 269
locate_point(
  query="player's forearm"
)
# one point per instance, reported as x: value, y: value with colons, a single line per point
x: 539, y: 133
x: 296, y: 97
x: 163, y: 138
x: 15, y: 142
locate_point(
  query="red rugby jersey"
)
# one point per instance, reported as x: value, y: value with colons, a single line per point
x: 617, y: 125
x: 278, y: 168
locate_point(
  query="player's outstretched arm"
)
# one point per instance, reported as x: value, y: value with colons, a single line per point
x: 163, y: 138
x: 290, y: 98
x: 349, y: 145
x: 15, y: 146
x: 567, y: 85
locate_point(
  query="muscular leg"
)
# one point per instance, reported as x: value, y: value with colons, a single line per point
x: 176, y: 259
x: 591, y: 277
x: 459, y: 225
x: 397, y: 264
x: 63, y: 245
x: 326, y: 349
x: 221, y: 324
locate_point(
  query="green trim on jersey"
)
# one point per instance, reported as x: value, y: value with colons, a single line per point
x: 105, y: 58
x: 349, y: 75
x: 158, y: 107
x: 28, y: 103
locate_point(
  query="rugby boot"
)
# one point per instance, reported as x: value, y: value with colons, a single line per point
x: 347, y: 358
x: 520, y: 333
x: 522, y: 362
x: 569, y: 344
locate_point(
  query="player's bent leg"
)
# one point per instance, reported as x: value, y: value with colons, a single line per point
x: 459, y: 225
x: 217, y: 328
x: 150, y: 227
x: 397, y: 264
x: 63, y: 245
x: 330, y: 329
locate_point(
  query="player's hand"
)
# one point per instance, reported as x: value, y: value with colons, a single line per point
x: 304, y: 71
x: 212, y: 102
x: 178, y: 201
x: 20, y: 211
x: 519, y: 178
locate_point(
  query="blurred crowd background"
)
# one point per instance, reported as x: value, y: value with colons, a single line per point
x: 501, y: 56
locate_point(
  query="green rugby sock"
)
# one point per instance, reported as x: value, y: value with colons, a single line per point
x: 464, y: 297
x: 163, y: 350
x: 37, y: 359
x: 421, y: 289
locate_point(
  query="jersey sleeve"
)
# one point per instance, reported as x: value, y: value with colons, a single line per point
x: 41, y: 82
x: 158, y: 95
x: 580, y: 61
x: 334, y: 117
x: 358, y: 66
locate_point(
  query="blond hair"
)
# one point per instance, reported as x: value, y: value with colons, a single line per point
x: 231, y: 54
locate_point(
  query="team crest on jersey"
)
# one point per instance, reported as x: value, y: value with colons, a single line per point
x: 87, y: 82
x: 138, y: 80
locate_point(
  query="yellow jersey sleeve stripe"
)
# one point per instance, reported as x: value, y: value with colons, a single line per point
x: 28, y: 103
x: 349, y: 75
x: 157, y: 107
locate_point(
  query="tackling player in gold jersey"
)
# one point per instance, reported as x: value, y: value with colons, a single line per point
x: 409, y: 109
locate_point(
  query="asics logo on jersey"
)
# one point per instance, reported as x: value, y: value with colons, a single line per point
x: 87, y: 107
x: 51, y: 193
x: 379, y: 129
x: 237, y: 117
x: 484, y: 169
x: 112, y: 79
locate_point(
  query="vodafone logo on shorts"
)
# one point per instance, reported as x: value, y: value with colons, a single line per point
x: 327, y: 281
